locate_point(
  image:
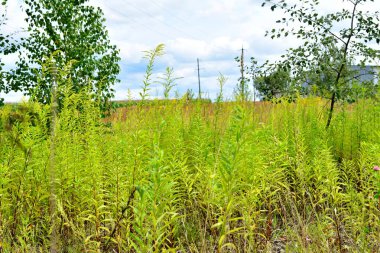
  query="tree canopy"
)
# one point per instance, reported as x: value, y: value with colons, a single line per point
x: 75, y: 29
x: 274, y: 84
x: 350, y: 31
x: 8, y: 45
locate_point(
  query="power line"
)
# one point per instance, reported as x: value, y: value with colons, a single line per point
x: 135, y: 21
x: 168, y: 10
x: 142, y: 11
x: 172, y: 14
x: 199, y: 81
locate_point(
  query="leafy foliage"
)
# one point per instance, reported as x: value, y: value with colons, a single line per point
x: 168, y: 81
x: 274, y: 85
x: 151, y: 56
x: 77, y: 31
x: 177, y: 176
x: 8, y: 45
x: 189, y: 177
x: 320, y: 33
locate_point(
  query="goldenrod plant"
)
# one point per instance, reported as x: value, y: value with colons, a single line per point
x: 189, y: 176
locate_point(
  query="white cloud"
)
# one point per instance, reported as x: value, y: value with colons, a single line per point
x: 12, y: 97
x: 9, y: 60
x: 190, y: 49
x: 212, y: 30
x: 131, y: 51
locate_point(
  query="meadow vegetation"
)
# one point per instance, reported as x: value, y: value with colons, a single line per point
x: 187, y: 176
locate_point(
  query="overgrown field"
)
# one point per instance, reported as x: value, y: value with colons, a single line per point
x: 191, y: 177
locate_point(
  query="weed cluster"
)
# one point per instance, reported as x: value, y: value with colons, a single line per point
x: 198, y: 177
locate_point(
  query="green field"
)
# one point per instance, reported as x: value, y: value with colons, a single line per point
x: 190, y: 177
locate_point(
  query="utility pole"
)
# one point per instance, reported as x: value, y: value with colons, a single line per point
x: 242, y: 80
x: 254, y: 91
x: 253, y: 84
x: 199, y: 82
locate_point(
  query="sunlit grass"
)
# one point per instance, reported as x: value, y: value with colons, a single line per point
x: 192, y: 177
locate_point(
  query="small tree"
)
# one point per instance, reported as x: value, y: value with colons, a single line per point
x: 320, y: 79
x: 274, y: 85
x: 319, y: 32
x: 77, y: 30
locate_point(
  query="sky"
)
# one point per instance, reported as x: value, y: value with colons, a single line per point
x: 212, y: 30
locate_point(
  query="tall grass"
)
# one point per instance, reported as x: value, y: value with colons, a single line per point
x: 191, y: 177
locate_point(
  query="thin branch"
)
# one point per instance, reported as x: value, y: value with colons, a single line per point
x: 315, y: 23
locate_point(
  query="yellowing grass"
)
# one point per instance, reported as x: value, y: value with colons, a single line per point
x: 193, y: 177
